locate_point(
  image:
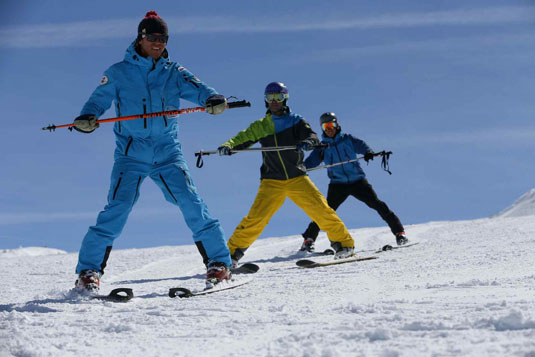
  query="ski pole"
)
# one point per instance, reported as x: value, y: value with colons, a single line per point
x: 199, y: 155
x: 237, y: 104
x: 384, y: 162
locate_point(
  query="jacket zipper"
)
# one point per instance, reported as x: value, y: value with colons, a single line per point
x: 186, y: 176
x: 163, y: 109
x: 116, y: 187
x: 167, y: 187
x: 137, y: 190
x: 119, y: 114
x: 280, y: 157
x: 128, y: 146
x: 144, y: 112
x: 340, y: 157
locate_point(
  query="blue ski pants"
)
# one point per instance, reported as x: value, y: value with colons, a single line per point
x: 178, y: 188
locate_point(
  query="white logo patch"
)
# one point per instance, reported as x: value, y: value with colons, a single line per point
x: 104, y: 80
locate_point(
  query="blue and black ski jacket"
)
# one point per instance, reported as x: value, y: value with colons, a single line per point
x: 342, y: 147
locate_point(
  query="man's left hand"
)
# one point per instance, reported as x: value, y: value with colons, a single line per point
x: 369, y: 156
x: 304, y: 146
x: 216, y: 104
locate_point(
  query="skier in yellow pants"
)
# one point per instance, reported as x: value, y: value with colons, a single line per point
x: 283, y: 174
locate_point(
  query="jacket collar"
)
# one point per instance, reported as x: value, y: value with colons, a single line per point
x: 327, y: 139
x: 133, y: 57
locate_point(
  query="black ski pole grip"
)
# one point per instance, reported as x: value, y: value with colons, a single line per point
x: 239, y: 104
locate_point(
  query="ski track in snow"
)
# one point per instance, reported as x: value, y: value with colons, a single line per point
x: 468, y: 289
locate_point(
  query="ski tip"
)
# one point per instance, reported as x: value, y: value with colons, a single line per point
x: 117, y: 295
x: 386, y: 247
x: 250, y: 266
x: 305, y: 263
x: 180, y: 292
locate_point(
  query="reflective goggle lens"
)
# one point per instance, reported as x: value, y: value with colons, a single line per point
x: 328, y: 125
x: 276, y: 97
x: 156, y: 38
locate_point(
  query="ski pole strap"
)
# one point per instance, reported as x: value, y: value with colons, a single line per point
x: 200, y: 162
x: 384, y: 161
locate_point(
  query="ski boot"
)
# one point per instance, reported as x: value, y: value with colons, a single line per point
x: 344, y: 252
x: 401, y: 239
x: 238, y: 254
x: 88, y: 281
x: 216, y: 273
x: 308, y: 245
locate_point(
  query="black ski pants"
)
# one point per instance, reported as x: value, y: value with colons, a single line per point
x: 362, y: 191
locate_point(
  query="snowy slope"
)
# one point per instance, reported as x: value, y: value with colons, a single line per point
x: 524, y: 206
x: 468, y: 289
x: 29, y: 252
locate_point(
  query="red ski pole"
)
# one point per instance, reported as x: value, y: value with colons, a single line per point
x: 238, y: 104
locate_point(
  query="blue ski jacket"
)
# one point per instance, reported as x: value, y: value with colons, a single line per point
x: 342, y: 147
x: 140, y: 85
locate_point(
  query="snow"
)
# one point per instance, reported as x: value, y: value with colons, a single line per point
x: 524, y: 206
x: 468, y: 289
x: 29, y: 252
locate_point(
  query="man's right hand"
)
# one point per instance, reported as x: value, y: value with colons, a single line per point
x: 224, y: 150
x: 86, y: 123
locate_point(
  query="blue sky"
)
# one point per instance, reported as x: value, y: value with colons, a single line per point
x: 446, y: 85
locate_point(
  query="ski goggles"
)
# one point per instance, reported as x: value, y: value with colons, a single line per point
x: 275, y: 97
x: 156, y: 38
x: 329, y: 125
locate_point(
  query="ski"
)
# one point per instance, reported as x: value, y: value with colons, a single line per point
x: 116, y: 295
x: 388, y: 247
x: 305, y: 263
x: 247, y: 268
x: 186, y: 293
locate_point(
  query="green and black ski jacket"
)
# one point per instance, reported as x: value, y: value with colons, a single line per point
x: 273, y: 131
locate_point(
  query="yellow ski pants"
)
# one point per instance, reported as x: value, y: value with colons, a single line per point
x: 270, y: 197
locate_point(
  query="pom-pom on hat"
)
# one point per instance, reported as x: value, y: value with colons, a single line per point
x: 152, y: 23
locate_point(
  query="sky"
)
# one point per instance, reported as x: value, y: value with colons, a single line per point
x: 445, y: 85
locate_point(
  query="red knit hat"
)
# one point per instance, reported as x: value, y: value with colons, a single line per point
x: 152, y: 23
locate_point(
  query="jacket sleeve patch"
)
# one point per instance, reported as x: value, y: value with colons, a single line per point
x: 104, y: 80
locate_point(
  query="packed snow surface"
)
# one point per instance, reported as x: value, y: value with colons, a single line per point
x: 467, y: 289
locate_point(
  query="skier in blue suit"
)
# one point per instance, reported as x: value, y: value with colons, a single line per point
x: 147, y: 81
x: 346, y: 179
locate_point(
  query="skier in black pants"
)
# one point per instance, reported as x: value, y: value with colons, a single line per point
x: 347, y: 179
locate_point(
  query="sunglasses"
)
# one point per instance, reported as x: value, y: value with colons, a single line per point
x: 329, y: 125
x: 156, y: 38
x: 276, y: 97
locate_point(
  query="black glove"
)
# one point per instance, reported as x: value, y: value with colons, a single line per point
x: 224, y: 150
x: 304, y: 146
x: 86, y: 123
x: 216, y: 104
x: 369, y: 156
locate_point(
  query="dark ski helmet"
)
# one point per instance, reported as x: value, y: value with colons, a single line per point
x: 276, y: 88
x: 329, y: 117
